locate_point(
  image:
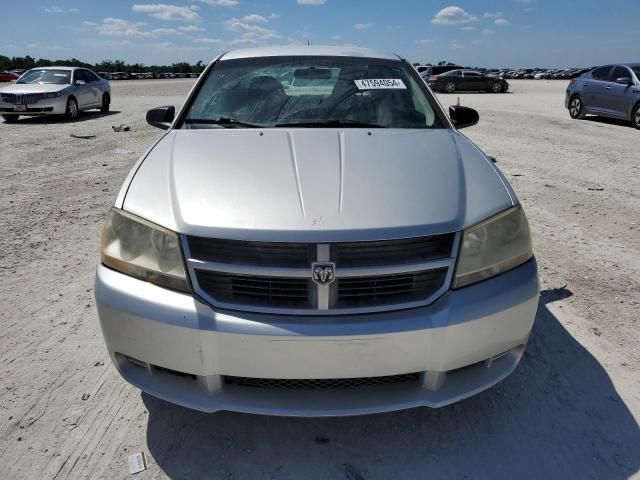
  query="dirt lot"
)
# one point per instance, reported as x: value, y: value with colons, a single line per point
x: 571, y: 409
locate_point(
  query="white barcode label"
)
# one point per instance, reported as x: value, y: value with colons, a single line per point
x: 380, y: 83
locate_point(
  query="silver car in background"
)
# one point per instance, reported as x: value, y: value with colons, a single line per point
x: 610, y: 91
x: 54, y: 91
x: 313, y: 236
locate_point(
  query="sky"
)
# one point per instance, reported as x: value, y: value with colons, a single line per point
x: 497, y: 33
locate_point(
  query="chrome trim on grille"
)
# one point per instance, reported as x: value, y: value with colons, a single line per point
x: 249, y: 269
x: 21, y: 98
x: 324, y: 298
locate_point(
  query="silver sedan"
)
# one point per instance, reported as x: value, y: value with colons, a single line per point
x: 54, y: 91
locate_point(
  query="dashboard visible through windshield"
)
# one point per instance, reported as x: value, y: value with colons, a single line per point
x: 312, y: 92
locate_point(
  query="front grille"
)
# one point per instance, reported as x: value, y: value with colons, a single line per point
x: 30, y: 98
x: 392, y: 252
x: 251, y: 290
x: 276, y: 276
x: 262, y: 254
x: 323, y: 383
x: 22, y: 99
x: 8, y: 97
x: 389, y: 289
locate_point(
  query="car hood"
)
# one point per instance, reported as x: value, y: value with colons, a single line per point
x: 33, y: 88
x: 315, y: 184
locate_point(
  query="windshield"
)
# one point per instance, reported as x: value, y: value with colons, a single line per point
x: 60, y: 77
x: 312, y: 92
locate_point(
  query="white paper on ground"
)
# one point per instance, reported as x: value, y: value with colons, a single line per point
x: 137, y: 463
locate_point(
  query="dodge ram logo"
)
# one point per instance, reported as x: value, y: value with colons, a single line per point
x: 323, y: 273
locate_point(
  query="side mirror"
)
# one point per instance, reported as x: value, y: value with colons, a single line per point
x: 624, y: 81
x: 80, y: 82
x: 161, y: 117
x: 463, y: 117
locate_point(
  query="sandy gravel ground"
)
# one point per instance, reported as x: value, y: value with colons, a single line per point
x: 571, y: 409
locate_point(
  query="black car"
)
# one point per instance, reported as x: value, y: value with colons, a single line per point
x: 431, y: 70
x: 470, y: 80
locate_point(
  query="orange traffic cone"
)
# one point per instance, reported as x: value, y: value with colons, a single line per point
x: 458, y: 102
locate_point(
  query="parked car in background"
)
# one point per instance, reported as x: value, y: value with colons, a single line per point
x: 469, y: 80
x: 8, y: 76
x: 432, y: 70
x: 54, y: 91
x: 611, y: 91
x: 120, y: 76
x: 267, y: 255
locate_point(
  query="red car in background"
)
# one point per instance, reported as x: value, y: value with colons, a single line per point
x: 8, y: 76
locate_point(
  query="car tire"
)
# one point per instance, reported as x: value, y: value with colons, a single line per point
x: 635, y: 116
x: 449, y: 87
x: 576, y: 107
x: 106, y: 101
x: 72, y: 112
x: 496, y: 87
x: 10, y: 118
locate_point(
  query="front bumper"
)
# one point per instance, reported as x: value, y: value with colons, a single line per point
x: 48, y: 106
x: 177, y: 348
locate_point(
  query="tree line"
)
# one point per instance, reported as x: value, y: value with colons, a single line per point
x: 28, y: 62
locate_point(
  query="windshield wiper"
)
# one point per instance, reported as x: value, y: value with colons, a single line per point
x: 331, y: 123
x: 226, y: 122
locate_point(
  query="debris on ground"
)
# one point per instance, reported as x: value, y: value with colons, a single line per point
x: 121, y: 128
x: 84, y: 137
x: 137, y: 463
x: 596, y: 189
x: 351, y: 472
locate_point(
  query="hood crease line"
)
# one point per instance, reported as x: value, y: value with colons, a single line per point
x: 294, y: 159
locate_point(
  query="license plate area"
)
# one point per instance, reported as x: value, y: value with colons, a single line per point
x: 20, y: 108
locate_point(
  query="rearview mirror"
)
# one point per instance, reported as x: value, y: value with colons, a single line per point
x: 312, y: 73
x: 161, y: 117
x: 462, y: 117
x: 624, y: 81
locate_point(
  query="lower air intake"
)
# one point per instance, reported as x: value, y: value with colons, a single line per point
x: 323, y: 383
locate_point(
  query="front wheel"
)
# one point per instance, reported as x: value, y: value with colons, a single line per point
x: 576, y: 108
x: 104, y: 108
x: 635, y: 117
x: 72, y: 109
x: 10, y: 118
x: 496, y: 87
x: 450, y: 87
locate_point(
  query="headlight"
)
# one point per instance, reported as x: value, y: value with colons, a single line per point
x: 136, y: 247
x: 492, y: 247
x: 51, y: 94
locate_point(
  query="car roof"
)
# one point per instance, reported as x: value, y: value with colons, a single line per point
x: 56, y: 68
x: 304, y: 50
